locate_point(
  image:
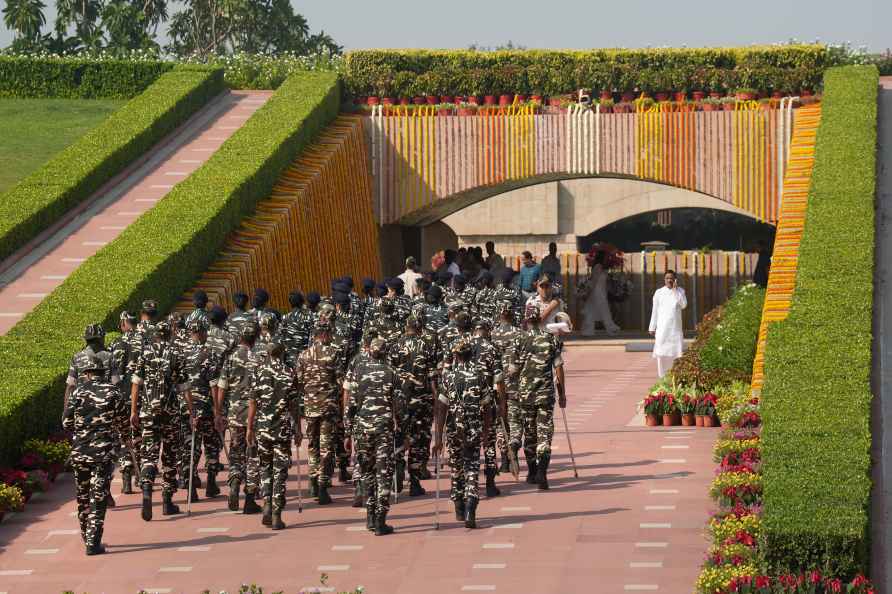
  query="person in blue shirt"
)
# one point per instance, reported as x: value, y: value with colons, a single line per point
x: 528, y: 275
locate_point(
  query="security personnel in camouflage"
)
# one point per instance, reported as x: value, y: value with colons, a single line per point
x: 123, y: 355
x: 231, y: 409
x: 319, y: 377
x: 540, y: 369
x: 296, y: 328
x: 376, y: 407
x: 459, y: 327
x: 507, y: 294
x: 415, y: 360
x: 273, y: 399
x: 90, y: 416
x: 464, y: 407
x: 487, y: 357
x: 157, y: 378
x: 436, y: 314
x: 485, y: 299
x: 94, y: 339
x: 504, y: 338
x: 240, y: 316
x: 200, y: 313
x: 385, y: 323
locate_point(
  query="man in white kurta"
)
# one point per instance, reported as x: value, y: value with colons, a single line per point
x: 666, y: 323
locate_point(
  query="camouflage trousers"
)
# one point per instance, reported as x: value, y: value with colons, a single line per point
x: 320, y: 448
x: 207, y: 438
x: 496, y: 441
x: 421, y: 419
x: 91, y: 481
x: 160, y: 437
x: 242, y: 467
x: 274, y: 459
x: 126, y: 434
x: 535, y: 422
x: 341, y: 455
x: 464, y: 457
x: 374, y: 451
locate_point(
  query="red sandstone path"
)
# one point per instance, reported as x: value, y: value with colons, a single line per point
x: 633, y: 521
x: 34, y: 271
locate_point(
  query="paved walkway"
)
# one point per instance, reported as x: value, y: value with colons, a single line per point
x: 633, y: 521
x: 34, y: 271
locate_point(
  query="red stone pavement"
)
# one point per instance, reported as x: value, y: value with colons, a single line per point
x: 633, y: 521
x: 34, y: 271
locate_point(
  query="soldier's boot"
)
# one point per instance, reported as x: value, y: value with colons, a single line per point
x: 400, y: 474
x: 343, y: 474
x: 471, y: 513
x: 358, y: 495
x: 95, y: 549
x: 541, y: 471
x: 126, y: 482
x: 370, y: 518
x: 531, y: 471
x: 314, y: 486
x: 109, y: 500
x: 324, y: 497
x: 460, y: 510
x: 277, y: 523
x: 415, y: 488
x: 251, y: 506
x: 381, y: 526
x: 491, y: 489
x: 147, y: 502
x: 169, y: 508
x: 196, y: 481
x: 267, y: 519
x: 234, y: 488
x: 212, y: 490
x: 505, y: 466
x: 194, y: 492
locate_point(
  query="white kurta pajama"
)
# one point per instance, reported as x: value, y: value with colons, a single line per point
x: 666, y: 322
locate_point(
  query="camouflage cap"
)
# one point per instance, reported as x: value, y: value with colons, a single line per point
x: 127, y: 316
x: 377, y: 347
x: 150, y: 306
x: 94, y: 332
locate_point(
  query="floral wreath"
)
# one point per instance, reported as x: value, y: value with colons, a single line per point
x: 613, y: 257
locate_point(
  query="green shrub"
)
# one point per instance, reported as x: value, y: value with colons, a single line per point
x: 70, y: 177
x: 161, y: 255
x: 77, y: 77
x: 554, y: 72
x: 816, y: 397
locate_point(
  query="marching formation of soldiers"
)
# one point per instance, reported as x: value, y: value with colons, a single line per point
x: 387, y: 378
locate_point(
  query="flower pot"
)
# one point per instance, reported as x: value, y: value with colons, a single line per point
x: 698, y: 95
x: 669, y: 420
x: 746, y: 96
x: 405, y: 101
x: 606, y: 96
x: 628, y: 96
x: 388, y: 101
x: 709, y: 421
x: 715, y: 95
x: 698, y: 420
x: 463, y: 111
x: 431, y: 99
x: 505, y: 100
x: 536, y: 98
x: 473, y: 100
x: 444, y: 112
x: 661, y: 96
x: 554, y: 102
x: 489, y: 100
x: 446, y: 99
x: 688, y: 420
x: 727, y: 106
x: 418, y: 100
x: 606, y: 109
x: 520, y: 98
x: 652, y: 420
x: 710, y: 107
x: 372, y: 100
x: 681, y: 96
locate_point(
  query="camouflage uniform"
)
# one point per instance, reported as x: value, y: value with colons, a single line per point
x: 537, y: 353
x: 297, y: 325
x: 200, y: 315
x: 487, y: 357
x: 504, y: 338
x: 159, y: 374
x: 508, y: 296
x: 237, y: 321
x: 200, y: 367
x: 436, y: 316
x: 123, y: 356
x: 275, y: 397
x: 92, y: 414
x: 220, y: 344
x: 487, y: 306
x: 385, y: 324
x: 237, y: 380
x: 319, y: 377
x: 375, y: 404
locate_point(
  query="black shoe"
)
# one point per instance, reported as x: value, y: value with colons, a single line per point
x: 251, y: 506
x: 267, y: 513
x: 506, y: 466
x: 425, y: 473
x: 324, y: 497
x: 109, y: 500
x: 491, y: 489
x: 541, y: 472
x: 126, y: 482
x: 358, y: 495
x: 196, y: 482
x: 370, y: 519
x: 169, y: 508
x: 277, y: 523
x: 147, y: 503
x: 531, y: 471
x: 415, y: 488
x: 97, y: 549
x: 314, y: 487
x: 194, y: 493
x: 460, y: 510
x: 212, y: 489
x: 400, y: 474
x: 343, y: 475
x: 234, y: 488
x: 381, y: 527
x: 471, y: 513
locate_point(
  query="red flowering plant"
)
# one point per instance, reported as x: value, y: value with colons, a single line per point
x: 810, y: 583
x: 748, y: 460
x: 670, y: 404
x: 612, y: 256
x: 706, y: 404
x: 653, y: 404
x: 749, y: 420
x: 32, y: 461
x: 687, y: 404
x: 14, y: 478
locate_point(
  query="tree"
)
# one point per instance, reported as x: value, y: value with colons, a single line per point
x: 25, y: 17
x: 126, y: 26
x: 83, y: 14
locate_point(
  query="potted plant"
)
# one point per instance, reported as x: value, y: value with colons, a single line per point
x: 606, y: 105
x: 687, y: 404
x: 728, y: 103
x: 747, y: 94
x: 467, y: 109
x: 711, y: 104
x: 653, y: 410
x: 382, y: 84
x: 11, y: 499
x: 403, y: 82
x: 444, y: 109
x: 537, y: 78
x: 706, y: 410
x: 670, y: 410
x: 623, y: 107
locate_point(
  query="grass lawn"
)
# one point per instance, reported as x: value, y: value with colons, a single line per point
x: 36, y: 129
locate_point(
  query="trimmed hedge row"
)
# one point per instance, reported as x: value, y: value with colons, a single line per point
x: 816, y: 397
x: 555, y: 72
x: 160, y: 255
x: 77, y: 78
x: 79, y: 170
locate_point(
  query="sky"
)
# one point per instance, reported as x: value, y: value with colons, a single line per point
x: 591, y: 23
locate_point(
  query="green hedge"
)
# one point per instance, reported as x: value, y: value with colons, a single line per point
x: 77, y: 78
x: 77, y: 172
x: 732, y: 344
x: 555, y: 72
x: 160, y: 255
x: 816, y: 397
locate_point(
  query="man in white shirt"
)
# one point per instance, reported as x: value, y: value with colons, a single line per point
x: 409, y: 278
x: 666, y: 323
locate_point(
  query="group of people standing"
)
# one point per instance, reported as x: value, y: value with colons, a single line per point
x: 394, y: 376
